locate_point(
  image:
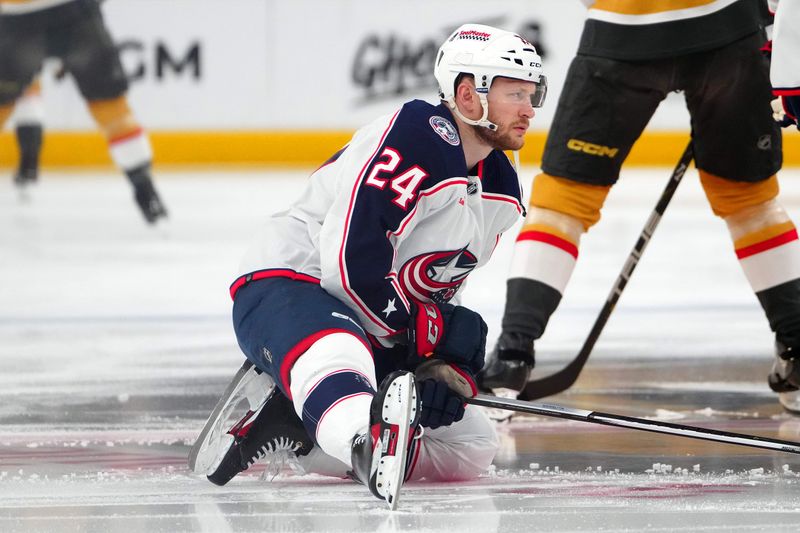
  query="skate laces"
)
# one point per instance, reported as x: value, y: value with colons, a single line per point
x: 279, y: 453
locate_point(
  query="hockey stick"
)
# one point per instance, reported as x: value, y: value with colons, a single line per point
x: 564, y: 378
x: 643, y: 424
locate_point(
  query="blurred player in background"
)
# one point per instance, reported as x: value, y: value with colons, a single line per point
x: 631, y: 55
x: 354, y: 285
x: 74, y: 32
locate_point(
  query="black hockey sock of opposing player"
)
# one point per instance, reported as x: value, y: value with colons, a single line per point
x: 529, y: 305
x: 29, y: 140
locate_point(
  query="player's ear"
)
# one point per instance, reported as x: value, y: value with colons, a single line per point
x: 466, y: 97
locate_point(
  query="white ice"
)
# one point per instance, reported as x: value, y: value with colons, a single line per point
x: 110, y: 331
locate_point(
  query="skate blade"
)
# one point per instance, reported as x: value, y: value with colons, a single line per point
x: 790, y: 402
x: 209, y: 448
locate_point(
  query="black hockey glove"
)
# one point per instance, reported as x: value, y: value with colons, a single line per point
x: 443, y: 387
x: 448, y: 332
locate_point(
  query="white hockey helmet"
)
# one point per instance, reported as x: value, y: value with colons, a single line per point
x: 486, y: 53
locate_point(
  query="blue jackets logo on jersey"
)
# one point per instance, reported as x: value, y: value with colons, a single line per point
x: 436, y: 277
x: 445, y: 129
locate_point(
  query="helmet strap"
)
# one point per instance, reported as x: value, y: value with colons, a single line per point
x: 483, y: 121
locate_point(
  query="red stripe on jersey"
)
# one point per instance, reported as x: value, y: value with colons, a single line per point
x: 769, y: 244
x: 272, y: 273
x: 503, y: 198
x: 550, y: 239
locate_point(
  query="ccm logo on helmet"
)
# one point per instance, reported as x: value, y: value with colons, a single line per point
x: 592, y: 149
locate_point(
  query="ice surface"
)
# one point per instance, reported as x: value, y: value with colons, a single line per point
x: 115, y: 341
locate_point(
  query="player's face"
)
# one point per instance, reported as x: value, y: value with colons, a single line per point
x: 510, y: 108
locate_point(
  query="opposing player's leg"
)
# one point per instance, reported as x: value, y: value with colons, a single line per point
x: 737, y: 171
x: 93, y: 60
x: 544, y: 257
x: 768, y: 250
x: 29, y: 112
x: 582, y: 160
x: 22, y: 51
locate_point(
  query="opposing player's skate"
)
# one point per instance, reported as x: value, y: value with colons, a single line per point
x: 228, y: 445
x: 23, y: 180
x: 509, y: 365
x: 785, y: 377
x: 506, y: 371
x: 144, y: 192
x: 381, y: 454
x: 149, y: 202
x: 25, y: 177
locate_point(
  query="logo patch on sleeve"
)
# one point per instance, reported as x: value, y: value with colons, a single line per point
x: 445, y: 129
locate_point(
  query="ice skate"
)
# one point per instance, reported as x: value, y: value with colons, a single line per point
x: 506, y: 371
x: 380, y: 455
x: 149, y: 202
x: 509, y: 365
x: 23, y: 180
x: 228, y: 445
x: 785, y: 377
x: 144, y: 192
x: 25, y: 177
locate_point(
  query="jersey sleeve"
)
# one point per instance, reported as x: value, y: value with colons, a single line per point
x: 404, y: 178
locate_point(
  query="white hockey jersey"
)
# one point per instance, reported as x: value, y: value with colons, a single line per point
x: 393, y: 216
x: 785, y: 67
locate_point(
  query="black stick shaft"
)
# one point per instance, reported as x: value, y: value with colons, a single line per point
x: 642, y: 424
x: 564, y: 378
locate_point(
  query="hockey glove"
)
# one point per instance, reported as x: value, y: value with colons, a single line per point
x: 443, y: 387
x: 451, y: 333
x: 791, y: 110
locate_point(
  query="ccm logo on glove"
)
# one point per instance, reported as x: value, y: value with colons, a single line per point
x: 431, y: 324
x: 449, y: 332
